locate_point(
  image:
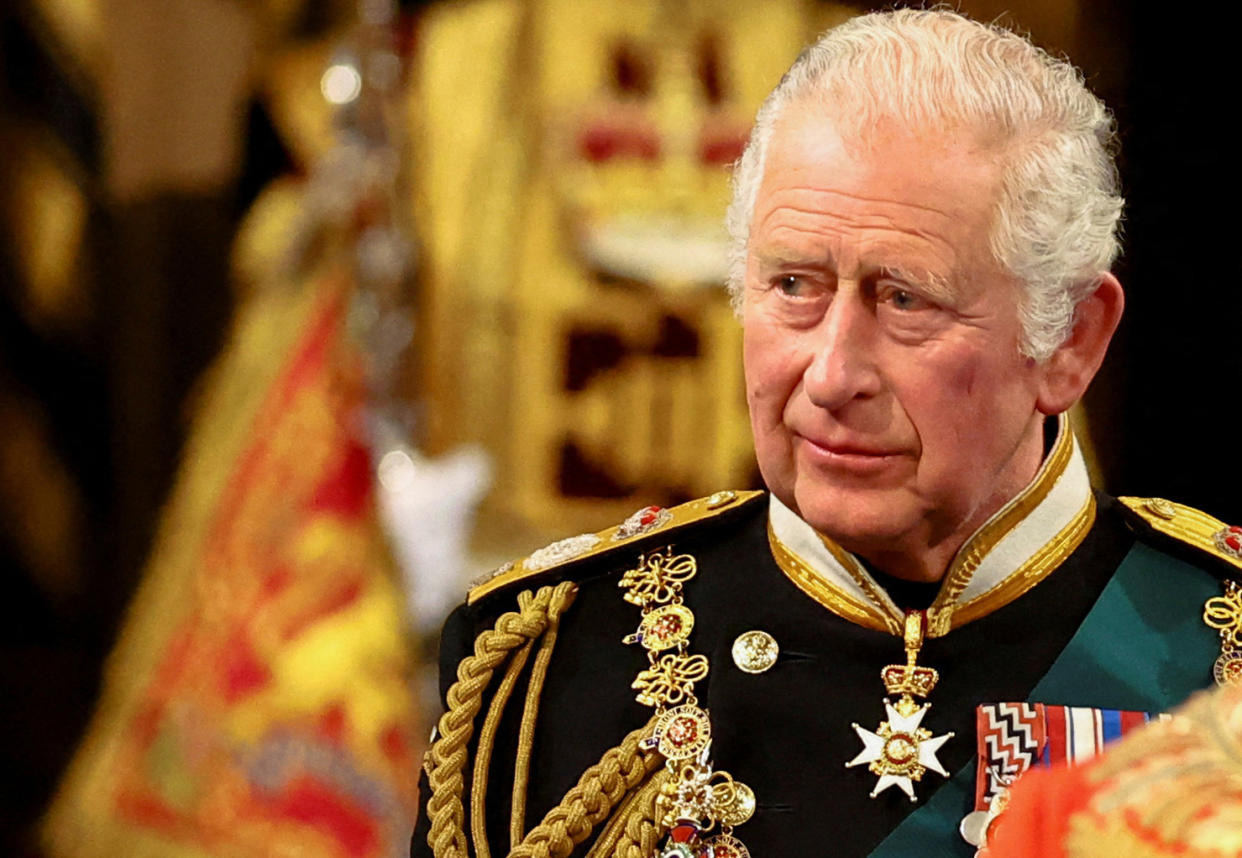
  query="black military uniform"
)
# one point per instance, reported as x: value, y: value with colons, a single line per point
x: 786, y: 732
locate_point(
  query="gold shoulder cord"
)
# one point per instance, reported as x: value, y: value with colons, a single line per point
x: 673, y: 791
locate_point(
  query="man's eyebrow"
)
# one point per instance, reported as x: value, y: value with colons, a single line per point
x: 779, y: 258
x: 930, y: 282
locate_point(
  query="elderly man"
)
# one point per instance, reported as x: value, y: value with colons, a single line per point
x: 931, y: 597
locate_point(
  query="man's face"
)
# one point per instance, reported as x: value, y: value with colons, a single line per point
x: 889, y: 402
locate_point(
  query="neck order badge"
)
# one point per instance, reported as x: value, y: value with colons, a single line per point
x: 901, y: 751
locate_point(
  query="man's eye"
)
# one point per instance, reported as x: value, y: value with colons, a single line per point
x: 791, y: 284
x: 902, y: 299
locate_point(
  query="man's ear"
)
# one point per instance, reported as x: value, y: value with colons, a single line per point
x: 1066, y: 374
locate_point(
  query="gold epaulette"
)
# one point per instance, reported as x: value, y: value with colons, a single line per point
x: 646, y: 521
x: 1190, y: 526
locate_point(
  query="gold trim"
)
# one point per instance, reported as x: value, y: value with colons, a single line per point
x: 851, y: 565
x: 969, y: 556
x: 823, y: 591
x: 1030, y: 573
x: 680, y: 516
x: 1185, y: 524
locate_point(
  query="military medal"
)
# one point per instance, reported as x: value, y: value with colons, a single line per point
x: 900, y: 751
x: 694, y: 798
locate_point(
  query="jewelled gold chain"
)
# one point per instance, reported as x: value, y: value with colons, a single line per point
x: 695, y: 798
x: 1224, y: 614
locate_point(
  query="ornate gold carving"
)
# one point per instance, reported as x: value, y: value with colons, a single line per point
x: 670, y: 681
x: 658, y: 577
x: 1224, y: 614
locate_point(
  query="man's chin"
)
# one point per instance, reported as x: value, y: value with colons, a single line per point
x: 860, y: 522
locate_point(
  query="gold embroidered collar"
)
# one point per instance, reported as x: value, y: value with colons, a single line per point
x: 1009, y: 554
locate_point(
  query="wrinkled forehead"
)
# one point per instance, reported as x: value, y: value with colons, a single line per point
x: 945, y: 171
x: 914, y: 199
x: 866, y: 127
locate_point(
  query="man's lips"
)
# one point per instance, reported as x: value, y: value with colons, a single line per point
x: 851, y: 448
x: 848, y: 455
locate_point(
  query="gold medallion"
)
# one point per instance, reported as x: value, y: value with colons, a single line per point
x: 724, y: 846
x: 735, y: 803
x: 683, y: 732
x: 662, y: 628
x: 1228, y: 668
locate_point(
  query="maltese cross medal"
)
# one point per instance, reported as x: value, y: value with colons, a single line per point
x: 901, y: 750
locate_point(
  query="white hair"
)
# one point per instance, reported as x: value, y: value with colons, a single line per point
x: 1057, y: 220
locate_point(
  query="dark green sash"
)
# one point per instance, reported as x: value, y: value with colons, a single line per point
x: 1143, y: 646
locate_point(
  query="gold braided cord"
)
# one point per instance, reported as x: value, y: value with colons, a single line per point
x: 643, y: 829
x: 561, y: 597
x: 487, y: 741
x: 448, y: 756
x: 600, y: 789
x: 603, y: 845
x: 634, y: 830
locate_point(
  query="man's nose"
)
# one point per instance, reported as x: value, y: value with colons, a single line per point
x: 843, y: 367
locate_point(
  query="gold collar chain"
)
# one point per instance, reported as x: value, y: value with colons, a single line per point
x: 1224, y: 615
x: 694, y: 798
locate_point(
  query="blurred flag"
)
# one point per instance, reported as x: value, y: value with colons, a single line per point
x: 258, y: 701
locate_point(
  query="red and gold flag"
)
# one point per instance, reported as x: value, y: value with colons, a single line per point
x: 258, y: 702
